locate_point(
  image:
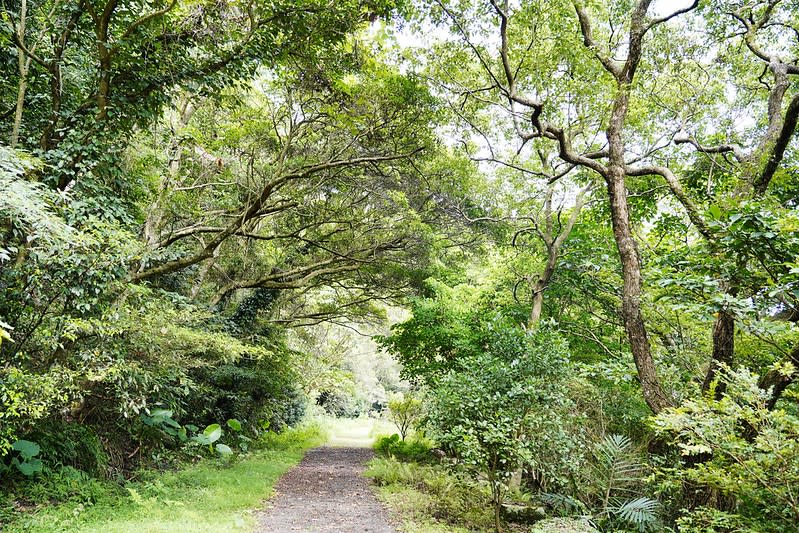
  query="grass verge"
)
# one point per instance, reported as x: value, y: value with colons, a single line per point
x: 210, y: 496
x: 430, y: 498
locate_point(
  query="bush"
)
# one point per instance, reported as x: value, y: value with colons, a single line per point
x: 341, y: 404
x: 436, y: 493
x: 504, y: 409
x: 65, y: 444
x: 66, y: 484
x: 308, y: 434
x: 405, y: 411
x: 415, y: 449
x: 746, y: 451
x: 258, y: 393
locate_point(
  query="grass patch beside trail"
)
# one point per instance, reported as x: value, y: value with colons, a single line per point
x: 209, y: 496
x: 430, y: 498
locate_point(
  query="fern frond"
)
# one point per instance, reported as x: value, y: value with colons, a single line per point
x: 563, y: 504
x: 640, y: 513
x: 617, y: 465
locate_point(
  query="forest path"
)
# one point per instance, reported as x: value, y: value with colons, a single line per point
x: 326, y: 492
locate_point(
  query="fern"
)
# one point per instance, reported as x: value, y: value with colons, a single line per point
x: 563, y: 504
x: 640, y: 513
x: 618, y: 472
x: 27, y: 204
x: 617, y: 466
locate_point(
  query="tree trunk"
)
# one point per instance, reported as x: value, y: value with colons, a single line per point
x: 614, y: 176
x: 23, y: 86
x: 654, y: 395
x: 24, y: 64
x: 152, y: 225
x: 538, y: 303
x: 723, y: 350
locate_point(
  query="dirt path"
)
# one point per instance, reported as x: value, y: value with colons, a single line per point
x: 326, y: 492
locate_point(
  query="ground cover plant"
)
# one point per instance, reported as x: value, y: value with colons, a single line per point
x: 213, y: 494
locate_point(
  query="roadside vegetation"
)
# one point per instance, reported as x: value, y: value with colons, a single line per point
x: 214, y: 494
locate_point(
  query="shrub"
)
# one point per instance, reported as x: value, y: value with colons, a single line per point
x: 495, y: 412
x: 341, y: 404
x: 307, y: 434
x: 66, y: 483
x: 448, y: 496
x: 747, y: 451
x: 405, y: 411
x: 416, y: 449
x: 259, y: 393
x: 69, y: 444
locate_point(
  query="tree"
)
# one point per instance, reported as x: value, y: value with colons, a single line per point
x: 308, y: 187
x: 129, y: 60
x: 594, y: 88
x: 488, y: 410
x: 405, y: 410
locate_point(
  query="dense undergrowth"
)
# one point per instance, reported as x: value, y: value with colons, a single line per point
x: 214, y: 494
x: 427, y: 495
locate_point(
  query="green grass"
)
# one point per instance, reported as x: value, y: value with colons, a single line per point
x: 411, y: 507
x: 430, y: 498
x: 209, y: 496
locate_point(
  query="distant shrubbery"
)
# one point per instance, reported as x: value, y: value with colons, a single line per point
x: 416, y: 448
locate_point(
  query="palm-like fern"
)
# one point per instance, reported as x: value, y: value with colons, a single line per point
x: 640, y: 513
x: 618, y: 473
x: 614, y: 502
x: 617, y: 466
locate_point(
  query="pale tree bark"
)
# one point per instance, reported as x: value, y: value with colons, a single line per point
x: 553, y: 244
x: 23, y: 64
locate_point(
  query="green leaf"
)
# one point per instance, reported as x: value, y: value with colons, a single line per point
x: 213, y: 433
x: 223, y: 449
x: 26, y: 448
x: 28, y: 468
x: 234, y: 424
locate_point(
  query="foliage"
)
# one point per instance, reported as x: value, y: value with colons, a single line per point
x: 442, y: 329
x: 73, y: 445
x: 416, y: 449
x: 405, y: 410
x: 750, y: 452
x: 196, y: 198
x: 494, y: 411
x: 427, y: 496
x: 27, y: 462
x: 28, y: 210
x: 615, y: 483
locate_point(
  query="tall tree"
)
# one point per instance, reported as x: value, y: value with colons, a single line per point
x: 609, y: 87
